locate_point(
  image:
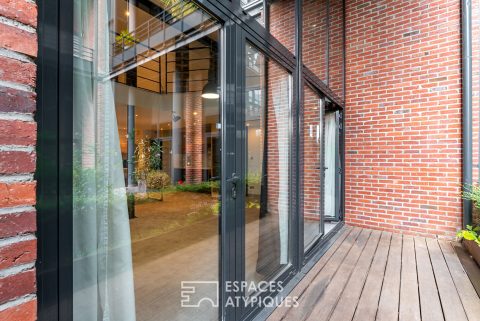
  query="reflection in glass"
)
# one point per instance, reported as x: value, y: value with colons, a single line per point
x: 312, y: 165
x: 146, y: 159
x: 268, y: 119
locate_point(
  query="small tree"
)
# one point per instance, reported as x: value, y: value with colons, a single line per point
x: 158, y: 180
x: 155, y: 155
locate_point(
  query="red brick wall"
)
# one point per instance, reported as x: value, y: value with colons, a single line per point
x: 403, y: 116
x: 18, y: 49
x: 282, y: 22
x: 335, y: 35
x: 314, y: 36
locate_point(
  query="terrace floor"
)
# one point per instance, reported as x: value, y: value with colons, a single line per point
x: 372, y: 275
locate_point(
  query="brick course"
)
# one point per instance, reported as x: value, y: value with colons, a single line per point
x: 403, y: 116
x: 18, y: 245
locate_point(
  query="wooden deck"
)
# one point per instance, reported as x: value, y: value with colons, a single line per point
x: 372, y: 275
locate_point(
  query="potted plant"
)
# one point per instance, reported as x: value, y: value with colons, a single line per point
x: 471, y: 240
x: 469, y: 236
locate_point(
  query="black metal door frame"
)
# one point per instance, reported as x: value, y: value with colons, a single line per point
x: 54, y: 174
x: 288, y: 272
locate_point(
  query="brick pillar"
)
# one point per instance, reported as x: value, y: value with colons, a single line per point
x: 18, y: 43
x: 193, y: 137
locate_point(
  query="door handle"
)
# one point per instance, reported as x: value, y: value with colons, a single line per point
x: 234, y: 180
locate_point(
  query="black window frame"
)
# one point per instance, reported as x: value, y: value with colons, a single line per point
x: 54, y: 146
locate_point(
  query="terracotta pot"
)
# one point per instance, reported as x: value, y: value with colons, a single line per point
x: 473, y: 249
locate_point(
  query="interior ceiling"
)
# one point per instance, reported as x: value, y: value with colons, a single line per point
x: 158, y: 80
x: 153, y: 106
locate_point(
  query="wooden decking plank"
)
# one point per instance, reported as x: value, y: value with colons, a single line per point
x: 308, y: 279
x: 323, y: 308
x: 281, y: 311
x: 409, y: 309
x: 367, y: 305
x: 451, y: 304
x: 313, y: 292
x: 465, y: 289
x: 389, y: 297
x: 345, y: 307
x: 430, y: 306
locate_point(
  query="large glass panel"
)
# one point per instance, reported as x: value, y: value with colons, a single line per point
x: 314, y: 37
x: 146, y: 160
x: 268, y: 120
x: 312, y: 166
x: 282, y: 22
x: 331, y: 168
x: 336, y: 50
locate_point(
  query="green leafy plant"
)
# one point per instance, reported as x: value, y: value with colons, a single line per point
x: 253, y: 204
x: 125, y: 38
x: 203, y: 187
x: 472, y: 193
x: 141, y: 159
x: 253, y: 178
x: 470, y: 234
x: 155, y: 152
x: 179, y: 8
x: 158, y: 180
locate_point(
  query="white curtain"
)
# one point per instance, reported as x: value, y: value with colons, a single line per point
x: 102, y: 260
x: 330, y: 145
x: 281, y: 105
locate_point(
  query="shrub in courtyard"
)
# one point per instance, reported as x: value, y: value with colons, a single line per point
x: 157, y: 180
x: 203, y: 187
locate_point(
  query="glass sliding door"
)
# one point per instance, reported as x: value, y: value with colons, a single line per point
x: 332, y: 170
x: 313, y: 164
x: 146, y: 162
x: 268, y: 100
